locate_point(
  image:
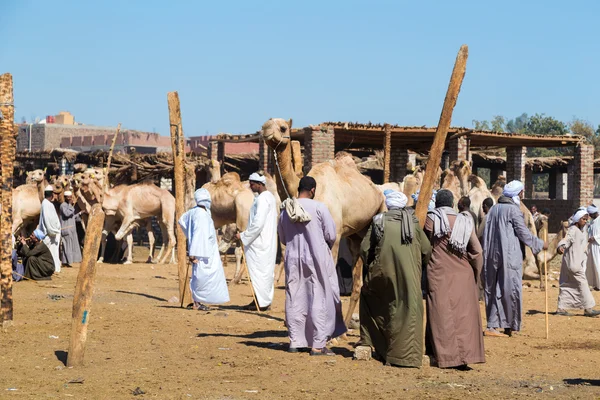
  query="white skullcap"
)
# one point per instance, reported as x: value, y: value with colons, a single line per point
x: 395, y: 199
x: 581, y: 212
x: 255, y: 177
x: 49, y: 188
x: 68, y: 193
x: 202, y: 197
x: 513, y: 189
x: 592, y: 209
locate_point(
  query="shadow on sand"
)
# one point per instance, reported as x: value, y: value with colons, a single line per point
x: 148, y: 296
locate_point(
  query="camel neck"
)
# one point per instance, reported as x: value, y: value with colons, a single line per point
x: 286, y: 172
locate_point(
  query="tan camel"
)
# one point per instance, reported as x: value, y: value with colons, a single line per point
x: 353, y: 200
x: 27, y: 202
x: 451, y: 182
x: 462, y: 172
x: 478, y: 193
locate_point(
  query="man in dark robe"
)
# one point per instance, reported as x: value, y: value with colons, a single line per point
x: 37, y: 258
x: 391, y: 300
x: 454, y: 329
x: 464, y: 205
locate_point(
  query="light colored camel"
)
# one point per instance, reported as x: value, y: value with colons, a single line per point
x: 27, y: 202
x: 478, y: 193
x: 353, y: 200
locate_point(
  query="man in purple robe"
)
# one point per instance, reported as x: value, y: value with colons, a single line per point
x: 312, y: 305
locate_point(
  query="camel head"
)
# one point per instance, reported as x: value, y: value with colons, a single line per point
x: 213, y: 168
x: 461, y: 168
x: 35, y: 176
x: 477, y: 182
x: 276, y: 132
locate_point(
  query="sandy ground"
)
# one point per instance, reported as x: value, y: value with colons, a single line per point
x: 138, y: 339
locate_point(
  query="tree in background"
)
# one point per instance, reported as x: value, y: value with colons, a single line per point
x: 582, y: 127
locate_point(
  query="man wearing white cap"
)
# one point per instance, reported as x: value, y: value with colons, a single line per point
x: 70, y: 252
x: 260, y: 242
x: 504, y: 232
x: 592, y: 271
x: 574, y: 291
x: 50, y: 225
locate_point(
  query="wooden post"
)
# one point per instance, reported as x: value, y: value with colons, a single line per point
x: 435, y: 154
x: 82, y: 299
x: 546, y: 283
x: 8, y: 148
x: 387, y: 149
x: 110, y: 155
x: 179, y: 174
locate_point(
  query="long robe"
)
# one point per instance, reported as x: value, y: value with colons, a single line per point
x: 505, y: 229
x: 71, y: 252
x: 50, y: 225
x: 208, y: 284
x: 260, y: 243
x: 391, y: 300
x: 453, y: 316
x: 574, y: 291
x: 38, y: 261
x: 313, y: 309
x: 592, y: 271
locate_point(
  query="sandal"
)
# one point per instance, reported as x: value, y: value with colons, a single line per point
x: 322, y: 352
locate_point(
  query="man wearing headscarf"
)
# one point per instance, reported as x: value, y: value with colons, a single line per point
x: 415, y: 197
x: 453, y: 335
x: 50, y: 225
x: 313, y: 310
x: 504, y: 232
x: 208, y: 284
x: 391, y: 300
x: 260, y: 242
x: 592, y: 271
x: 574, y: 291
x: 71, y: 252
x: 37, y: 258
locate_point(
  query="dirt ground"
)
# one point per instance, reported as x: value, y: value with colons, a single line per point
x: 138, y: 339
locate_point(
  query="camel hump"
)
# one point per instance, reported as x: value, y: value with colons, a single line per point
x: 230, y: 178
x: 344, y: 158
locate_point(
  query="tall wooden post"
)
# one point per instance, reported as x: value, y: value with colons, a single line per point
x: 8, y: 148
x: 387, y: 152
x: 82, y: 299
x: 435, y: 154
x: 179, y: 175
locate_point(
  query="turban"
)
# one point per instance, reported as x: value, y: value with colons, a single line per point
x: 255, y: 177
x: 512, y: 190
x: 387, y: 191
x: 39, y: 234
x: 202, y: 197
x: 49, y: 188
x: 592, y: 209
x: 395, y: 200
x: 581, y: 212
x: 68, y: 193
x: 431, y: 205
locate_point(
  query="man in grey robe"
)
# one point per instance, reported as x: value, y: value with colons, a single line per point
x: 574, y: 292
x: 504, y: 232
x: 313, y: 309
x: 70, y: 250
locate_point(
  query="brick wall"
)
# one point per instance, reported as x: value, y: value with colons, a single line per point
x: 515, y: 163
x: 457, y: 149
x: 398, y: 162
x: 319, y: 146
x: 265, y: 157
x: 528, y: 183
x: 581, y: 191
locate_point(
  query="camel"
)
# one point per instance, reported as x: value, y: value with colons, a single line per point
x: 451, y: 182
x: 478, y: 193
x: 27, y: 202
x: 353, y: 200
x: 545, y: 256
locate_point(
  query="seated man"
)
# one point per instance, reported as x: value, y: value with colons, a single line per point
x: 37, y: 258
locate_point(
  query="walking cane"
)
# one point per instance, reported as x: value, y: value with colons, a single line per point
x: 546, y: 282
x: 245, y: 267
x: 187, y: 276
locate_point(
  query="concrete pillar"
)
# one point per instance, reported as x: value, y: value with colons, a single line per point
x: 213, y: 150
x: 457, y: 149
x: 265, y: 157
x: 528, y: 183
x: 581, y: 191
x: 515, y: 163
x: 398, y: 162
x: 319, y: 146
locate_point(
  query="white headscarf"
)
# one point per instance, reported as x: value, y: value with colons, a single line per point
x: 512, y: 190
x: 395, y: 199
x: 255, y: 177
x: 202, y: 197
x: 592, y: 209
x: 581, y: 212
x: 68, y: 193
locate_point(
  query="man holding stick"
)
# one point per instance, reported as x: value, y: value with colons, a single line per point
x: 50, y: 225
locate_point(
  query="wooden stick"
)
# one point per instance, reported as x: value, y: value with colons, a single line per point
x: 245, y: 266
x: 435, y: 154
x: 8, y: 148
x: 178, y: 171
x: 110, y: 156
x: 82, y: 299
x: 387, y: 149
x: 546, y: 286
x: 187, y: 276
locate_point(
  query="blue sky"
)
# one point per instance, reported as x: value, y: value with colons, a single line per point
x: 238, y: 63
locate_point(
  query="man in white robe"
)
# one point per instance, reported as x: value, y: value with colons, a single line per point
x: 50, y: 226
x: 208, y: 284
x: 574, y: 291
x: 260, y: 243
x: 592, y: 271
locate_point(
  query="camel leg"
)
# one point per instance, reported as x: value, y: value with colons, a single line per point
x: 168, y: 240
x: 151, y: 240
x: 103, y: 245
x: 129, y: 259
x: 239, y: 253
x: 354, y: 244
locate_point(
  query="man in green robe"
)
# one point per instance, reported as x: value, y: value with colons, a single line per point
x: 391, y: 301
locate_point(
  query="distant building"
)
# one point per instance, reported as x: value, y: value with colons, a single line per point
x: 198, y: 142
x: 63, y: 118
